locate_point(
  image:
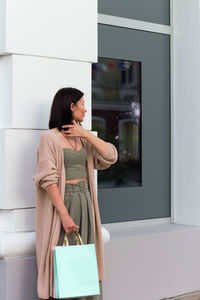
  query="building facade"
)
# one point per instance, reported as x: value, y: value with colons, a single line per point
x: 154, y: 226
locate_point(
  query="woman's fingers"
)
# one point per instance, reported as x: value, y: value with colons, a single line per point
x: 69, y: 131
x: 69, y: 225
x: 75, y: 228
x: 67, y: 231
x: 67, y: 126
x: 71, y: 228
x: 66, y: 131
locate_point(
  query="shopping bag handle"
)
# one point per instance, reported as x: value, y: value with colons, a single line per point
x: 78, y: 239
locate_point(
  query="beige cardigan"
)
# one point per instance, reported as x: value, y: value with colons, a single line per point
x: 51, y: 169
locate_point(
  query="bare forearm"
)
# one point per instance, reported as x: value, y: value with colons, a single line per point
x: 54, y: 194
x: 101, y: 146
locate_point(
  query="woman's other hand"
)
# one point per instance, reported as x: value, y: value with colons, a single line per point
x: 75, y: 130
x: 68, y: 224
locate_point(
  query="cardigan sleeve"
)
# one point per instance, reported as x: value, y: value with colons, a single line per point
x: 46, y: 163
x: 105, y: 161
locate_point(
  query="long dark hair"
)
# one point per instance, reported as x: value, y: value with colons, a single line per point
x: 61, y: 113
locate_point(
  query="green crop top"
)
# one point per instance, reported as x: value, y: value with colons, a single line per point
x: 75, y: 163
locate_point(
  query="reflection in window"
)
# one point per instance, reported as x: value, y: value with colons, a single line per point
x: 99, y: 124
x: 116, y: 116
x: 129, y: 135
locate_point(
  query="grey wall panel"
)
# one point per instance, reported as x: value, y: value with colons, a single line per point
x: 156, y: 11
x: 152, y: 199
x: 3, y: 277
x: 18, y: 279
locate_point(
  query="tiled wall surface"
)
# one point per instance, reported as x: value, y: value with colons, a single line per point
x: 29, y: 84
x: 44, y: 46
x: 48, y: 28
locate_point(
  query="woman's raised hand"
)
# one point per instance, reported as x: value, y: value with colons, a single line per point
x: 68, y: 224
x: 75, y: 130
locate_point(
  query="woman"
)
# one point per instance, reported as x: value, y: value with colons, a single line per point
x: 66, y: 194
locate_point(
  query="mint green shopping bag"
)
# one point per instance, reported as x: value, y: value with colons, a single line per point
x: 75, y: 270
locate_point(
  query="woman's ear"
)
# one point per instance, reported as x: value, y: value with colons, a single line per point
x: 72, y: 106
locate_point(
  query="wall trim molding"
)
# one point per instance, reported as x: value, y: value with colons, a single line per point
x: 22, y: 244
x: 13, y: 245
x: 17, y: 244
x: 123, y: 231
x: 133, y: 24
x: 172, y: 113
x: 118, y: 227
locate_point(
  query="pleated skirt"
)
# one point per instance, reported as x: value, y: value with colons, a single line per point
x: 79, y: 205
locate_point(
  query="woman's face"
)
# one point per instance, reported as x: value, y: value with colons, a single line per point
x: 78, y: 110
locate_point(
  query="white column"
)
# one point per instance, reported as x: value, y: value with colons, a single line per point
x: 44, y: 45
x: 186, y: 111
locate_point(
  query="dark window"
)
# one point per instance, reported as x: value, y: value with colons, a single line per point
x: 116, y: 116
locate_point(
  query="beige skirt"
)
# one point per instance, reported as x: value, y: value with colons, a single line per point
x: 79, y: 205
